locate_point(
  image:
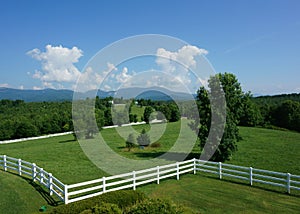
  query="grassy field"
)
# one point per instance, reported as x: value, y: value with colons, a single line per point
x: 63, y: 156
x: 18, y: 195
x: 269, y: 149
x: 209, y: 195
x: 139, y: 111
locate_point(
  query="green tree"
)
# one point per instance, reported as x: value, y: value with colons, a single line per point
x: 211, y: 108
x: 143, y: 139
x: 250, y: 115
x: 287, y: 115
x: 175, y: 114
x: 130, y: 142
x: 165, y: 110
x: 24, y: 128
x: 147, y: 112
x: 99, y: 114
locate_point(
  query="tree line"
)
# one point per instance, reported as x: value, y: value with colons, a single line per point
x: 19, y: 119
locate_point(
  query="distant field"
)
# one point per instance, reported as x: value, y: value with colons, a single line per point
x: 139, y: 111
x: 269, y: 149
x: 62, y: 156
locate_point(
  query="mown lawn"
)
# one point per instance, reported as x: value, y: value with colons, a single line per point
x: 269, y: 149
x: 63, y: 156
x: 209, y: 195
x: 18, y: 195
x: 139, y: 111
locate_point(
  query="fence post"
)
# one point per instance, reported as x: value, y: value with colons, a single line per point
x: 103, y: 183
x: 50, y: 184
x: 220, y: 170
x: 194, y: 166
x: 288, y: 183
x: 4, y: 163
x: 33, y: 171
x: 133, y: 175
x: 157, y: 174
x: 20, y: 166
x: 177, y: 166
x: 66, y: 198
x: 42, y: 175
x: 251, y: 175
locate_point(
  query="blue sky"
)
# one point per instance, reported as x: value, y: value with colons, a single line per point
x: 258, y: 41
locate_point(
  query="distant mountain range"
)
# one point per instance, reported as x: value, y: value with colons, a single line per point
x: 154, y: 93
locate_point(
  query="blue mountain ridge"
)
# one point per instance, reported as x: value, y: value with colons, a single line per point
x: 48, y: 95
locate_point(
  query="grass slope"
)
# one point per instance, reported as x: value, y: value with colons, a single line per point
x: 18, y: 195
x: 209, y: 195
x: 62, y: 156
x: 269, y: 149
x: 139, y: 111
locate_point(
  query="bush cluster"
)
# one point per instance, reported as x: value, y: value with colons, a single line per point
x: 123, y: 201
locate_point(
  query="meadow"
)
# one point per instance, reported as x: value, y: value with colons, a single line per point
x: 63, y: 156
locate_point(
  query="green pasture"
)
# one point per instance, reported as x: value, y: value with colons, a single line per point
x: 63, y: 156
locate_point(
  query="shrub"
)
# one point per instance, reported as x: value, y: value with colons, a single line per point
x: 103, y: 208
x: 122, y: 198
x: 150, y: 206
x: 130, y: 142
x: 143, y: 139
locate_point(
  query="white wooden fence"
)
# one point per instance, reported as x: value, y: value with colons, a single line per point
x: 88, y: 189
x: 36, y: 173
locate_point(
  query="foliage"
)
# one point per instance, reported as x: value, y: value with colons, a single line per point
x: 122, y: 199
x: 250, y: 115
x: 287, y: 115
x: 148, y: 111
x: 279, y: 110
x: 133, y: 118
x: 150, y: 206
x: 19, y: 119
x: 143, y: 139
x: 211, y: 105
x: 103, y: 208
x: 130, y: 142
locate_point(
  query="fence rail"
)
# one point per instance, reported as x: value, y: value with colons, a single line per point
x: 88, y: 189
x: 36, y: 173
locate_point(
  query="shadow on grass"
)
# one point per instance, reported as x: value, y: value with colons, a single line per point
x: 170, y: 156
x: 45, y: 195
x: 254, y: 186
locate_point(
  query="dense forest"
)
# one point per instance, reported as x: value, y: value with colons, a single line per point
x: 20, y: 119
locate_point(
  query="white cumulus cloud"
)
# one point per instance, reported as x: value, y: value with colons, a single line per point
x: 57, y: 64
x: 123, y: 77
x: 91, y: 80
x: 177, y: 64
x: 185, y: 56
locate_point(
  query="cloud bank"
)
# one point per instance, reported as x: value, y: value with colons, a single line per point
x: 58, y: 70
x: 57, y: 64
